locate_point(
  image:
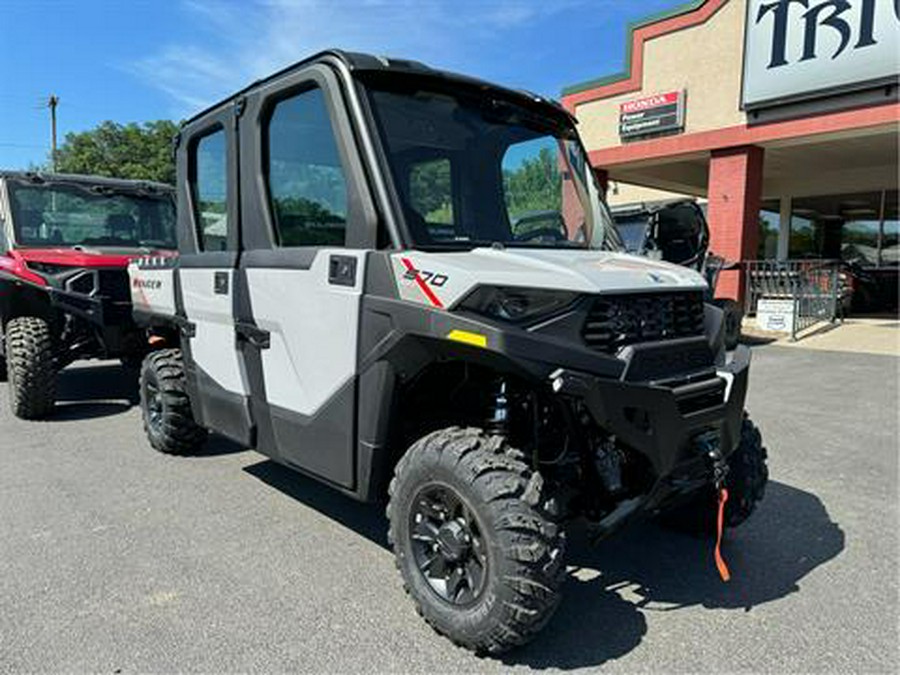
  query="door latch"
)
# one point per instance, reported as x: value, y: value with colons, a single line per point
x: 342, y: 270
x: 220, y: 283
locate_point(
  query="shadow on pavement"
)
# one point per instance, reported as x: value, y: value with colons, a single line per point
x: 367, y: 520
x: 216, y: 446
x: 94, y: 391
x: 645, y: 568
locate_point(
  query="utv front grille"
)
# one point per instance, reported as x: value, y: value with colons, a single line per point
x: 107, y: 283
x: 113, y: 284
x: 616, y: 321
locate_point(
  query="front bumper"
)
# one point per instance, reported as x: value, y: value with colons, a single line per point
x: 101, y: 311
x: 664, y: 421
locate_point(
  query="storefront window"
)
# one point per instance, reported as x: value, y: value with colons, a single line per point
x: 859, y: 242
x: 860, y: 228
x: 890, y: 238
x: 769, y: 221
x: 804, y: 238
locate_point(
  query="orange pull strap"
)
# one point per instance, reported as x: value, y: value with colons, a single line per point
x: 720, y: 522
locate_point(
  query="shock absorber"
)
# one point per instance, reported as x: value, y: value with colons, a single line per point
x: 498, y: 422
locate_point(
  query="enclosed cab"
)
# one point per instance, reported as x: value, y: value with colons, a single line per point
x: 65, y: 243
x: 406, y: 283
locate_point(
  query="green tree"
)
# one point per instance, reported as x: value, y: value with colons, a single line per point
x: 535, y: 185
x: 136, y: 151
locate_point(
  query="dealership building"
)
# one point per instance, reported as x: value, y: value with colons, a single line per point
x: 782, y: 115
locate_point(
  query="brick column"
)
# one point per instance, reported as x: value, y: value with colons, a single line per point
x: 734, y: 193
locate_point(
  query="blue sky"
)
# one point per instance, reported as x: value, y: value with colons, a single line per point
x: 139, y: 60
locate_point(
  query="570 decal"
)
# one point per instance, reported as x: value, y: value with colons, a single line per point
x: 431, y: 278
x: 425, y: 281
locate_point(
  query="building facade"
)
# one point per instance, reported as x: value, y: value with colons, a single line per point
x: 782, y: 114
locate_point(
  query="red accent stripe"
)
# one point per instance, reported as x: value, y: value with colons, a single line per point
x: 435, y: 300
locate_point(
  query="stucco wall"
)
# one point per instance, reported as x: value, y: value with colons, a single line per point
x: 626, y: 193
x: 705, y: 60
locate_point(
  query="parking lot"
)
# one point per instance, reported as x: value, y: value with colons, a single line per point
x: 117, y: 559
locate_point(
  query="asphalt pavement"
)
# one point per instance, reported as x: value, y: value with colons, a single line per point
x: 114, y: 558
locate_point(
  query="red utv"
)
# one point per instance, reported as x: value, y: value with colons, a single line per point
x: 65, y: 243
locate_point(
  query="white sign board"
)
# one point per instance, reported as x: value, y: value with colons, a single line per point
x: 776, y: 315
x: 798, y: 49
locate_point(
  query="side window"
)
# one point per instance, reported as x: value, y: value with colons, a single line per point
x: 542, y: 198
x: 209, y: 188
x: 306, y: 183
x: 431, y: 196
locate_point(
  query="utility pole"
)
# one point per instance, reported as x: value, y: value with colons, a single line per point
x: 52, y: 102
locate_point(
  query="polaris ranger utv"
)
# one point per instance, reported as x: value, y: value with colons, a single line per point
x: 351, y: 299
x: 65, y: 243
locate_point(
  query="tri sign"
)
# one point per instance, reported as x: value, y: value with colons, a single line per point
x: 652, y: 115
x: 800, y: 49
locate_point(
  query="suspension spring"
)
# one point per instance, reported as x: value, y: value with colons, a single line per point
x: 498, y: 422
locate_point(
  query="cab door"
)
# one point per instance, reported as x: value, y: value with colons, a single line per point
x: 308, y: 228
x: 207, y: 268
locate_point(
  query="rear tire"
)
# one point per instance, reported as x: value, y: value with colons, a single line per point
x: 478, y: 553
x: 31, y: 367
x: 746, y: 484
x: 165, y: 406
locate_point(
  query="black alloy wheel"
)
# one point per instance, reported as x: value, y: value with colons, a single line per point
x: 154, y: 404
x: 447, y: 545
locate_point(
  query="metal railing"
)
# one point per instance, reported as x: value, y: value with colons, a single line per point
x: 812, y: 287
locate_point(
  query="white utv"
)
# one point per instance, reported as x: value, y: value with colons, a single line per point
x: 405, y: 283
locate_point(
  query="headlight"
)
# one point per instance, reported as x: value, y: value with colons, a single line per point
x: 516, y: 304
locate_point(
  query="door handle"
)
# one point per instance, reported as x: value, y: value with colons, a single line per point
x: 259, y: 338
x: 342, y: 270
x: 220, y: 283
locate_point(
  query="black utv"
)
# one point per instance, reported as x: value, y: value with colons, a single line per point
x: 406, y: 283
x: 675, y: 230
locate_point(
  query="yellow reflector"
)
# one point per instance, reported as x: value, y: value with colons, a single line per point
x: 476, y: 339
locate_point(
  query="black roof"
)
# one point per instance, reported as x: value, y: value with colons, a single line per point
x: 359, y: 62
x: 40, y: 177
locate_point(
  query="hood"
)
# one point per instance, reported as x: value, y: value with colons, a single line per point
x: 85, y: 256
x: 442, y: 279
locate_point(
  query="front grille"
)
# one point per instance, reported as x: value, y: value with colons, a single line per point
x: 616, y: 321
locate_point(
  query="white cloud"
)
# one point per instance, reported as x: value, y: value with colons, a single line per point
x: 237, y: 42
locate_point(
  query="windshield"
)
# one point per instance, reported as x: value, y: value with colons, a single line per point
x: 473, y: 170
x: 633, y: 231
x: 54, y: 215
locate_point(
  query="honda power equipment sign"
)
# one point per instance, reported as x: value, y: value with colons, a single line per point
x: 652, y: 115
x: 800, y: 49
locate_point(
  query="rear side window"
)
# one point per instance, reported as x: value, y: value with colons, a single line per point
x: 209, y: 188
x: 306, y: 182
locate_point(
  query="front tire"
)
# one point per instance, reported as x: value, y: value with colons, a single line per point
x: 734, y: 317
x: 31, y: 367
x: 165, y: 406
x: 478, y: 553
